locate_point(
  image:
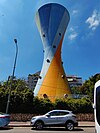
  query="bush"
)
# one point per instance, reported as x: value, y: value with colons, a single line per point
x: 22, y: 101
x: 83, y: 105
x: 42, y: 106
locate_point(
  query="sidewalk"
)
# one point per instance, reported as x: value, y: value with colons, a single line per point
x: 86, y: 124
x: 19, y: 124
x: 27, y: 124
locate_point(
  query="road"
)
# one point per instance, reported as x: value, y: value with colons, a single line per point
x: 47, y: 130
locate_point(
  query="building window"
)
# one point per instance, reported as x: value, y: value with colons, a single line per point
x: 63, y: 76
x: 45, y: 96
x: 59, y: 34
x: 62, y: 62
x: 48, y: 60
x: 54, y: 46
x: 43, y: 35
x: 40, y: 77
x: 65, y: 95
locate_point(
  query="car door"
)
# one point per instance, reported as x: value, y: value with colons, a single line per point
x: 51, y: 118
x: 60, y: 117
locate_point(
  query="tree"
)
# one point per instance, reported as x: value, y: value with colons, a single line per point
x: 21, y: 97
x: 76, y: 90
x: 88, y: 86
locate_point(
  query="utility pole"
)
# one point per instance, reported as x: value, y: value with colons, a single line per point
x: 12, y: 77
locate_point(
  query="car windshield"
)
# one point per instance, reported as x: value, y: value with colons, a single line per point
x: 98, y: 104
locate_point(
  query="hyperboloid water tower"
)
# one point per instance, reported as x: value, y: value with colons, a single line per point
x: 52, y: 20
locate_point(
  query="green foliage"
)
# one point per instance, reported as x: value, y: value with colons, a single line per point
x: 42, y: 106
x: 76, y: 90
x: 83, y: 105
x: 3, y: 99
x: 88, y: 86
x: 22, y: 100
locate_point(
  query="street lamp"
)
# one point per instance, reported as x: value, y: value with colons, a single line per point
x: 12, y: 77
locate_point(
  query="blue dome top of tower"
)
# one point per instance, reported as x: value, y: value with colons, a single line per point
x: 50, y: 17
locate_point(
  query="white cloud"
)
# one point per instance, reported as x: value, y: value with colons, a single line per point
x: 94, y: 20
x: 73, y: 36
x: 74, y: 11
x: 71, y: 29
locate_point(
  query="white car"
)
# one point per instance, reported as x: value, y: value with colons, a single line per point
x: 97, y: 106
x: 4, y: 119
x: 55, y: 118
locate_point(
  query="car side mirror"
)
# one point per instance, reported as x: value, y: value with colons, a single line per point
x: 48, y: 115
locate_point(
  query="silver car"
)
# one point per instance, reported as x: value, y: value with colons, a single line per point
x: 55, y: 118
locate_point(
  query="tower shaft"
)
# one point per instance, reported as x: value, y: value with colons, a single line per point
x: 52, y: 20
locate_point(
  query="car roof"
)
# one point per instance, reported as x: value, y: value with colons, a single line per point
x: 60, y: 110
x: 3, y: 114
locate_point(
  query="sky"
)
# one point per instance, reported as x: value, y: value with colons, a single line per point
x: 81, y: 45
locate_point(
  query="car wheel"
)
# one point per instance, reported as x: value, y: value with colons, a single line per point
x: 39, y: 125
x: 70, y: 126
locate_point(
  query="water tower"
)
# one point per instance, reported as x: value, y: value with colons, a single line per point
x: 52, y: 20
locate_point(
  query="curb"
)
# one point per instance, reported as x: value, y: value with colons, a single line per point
x: 19, y: 126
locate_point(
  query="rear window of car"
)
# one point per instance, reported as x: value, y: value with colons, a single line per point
x: 63, y: 113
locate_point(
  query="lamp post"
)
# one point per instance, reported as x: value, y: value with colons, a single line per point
x: 12, y: 77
